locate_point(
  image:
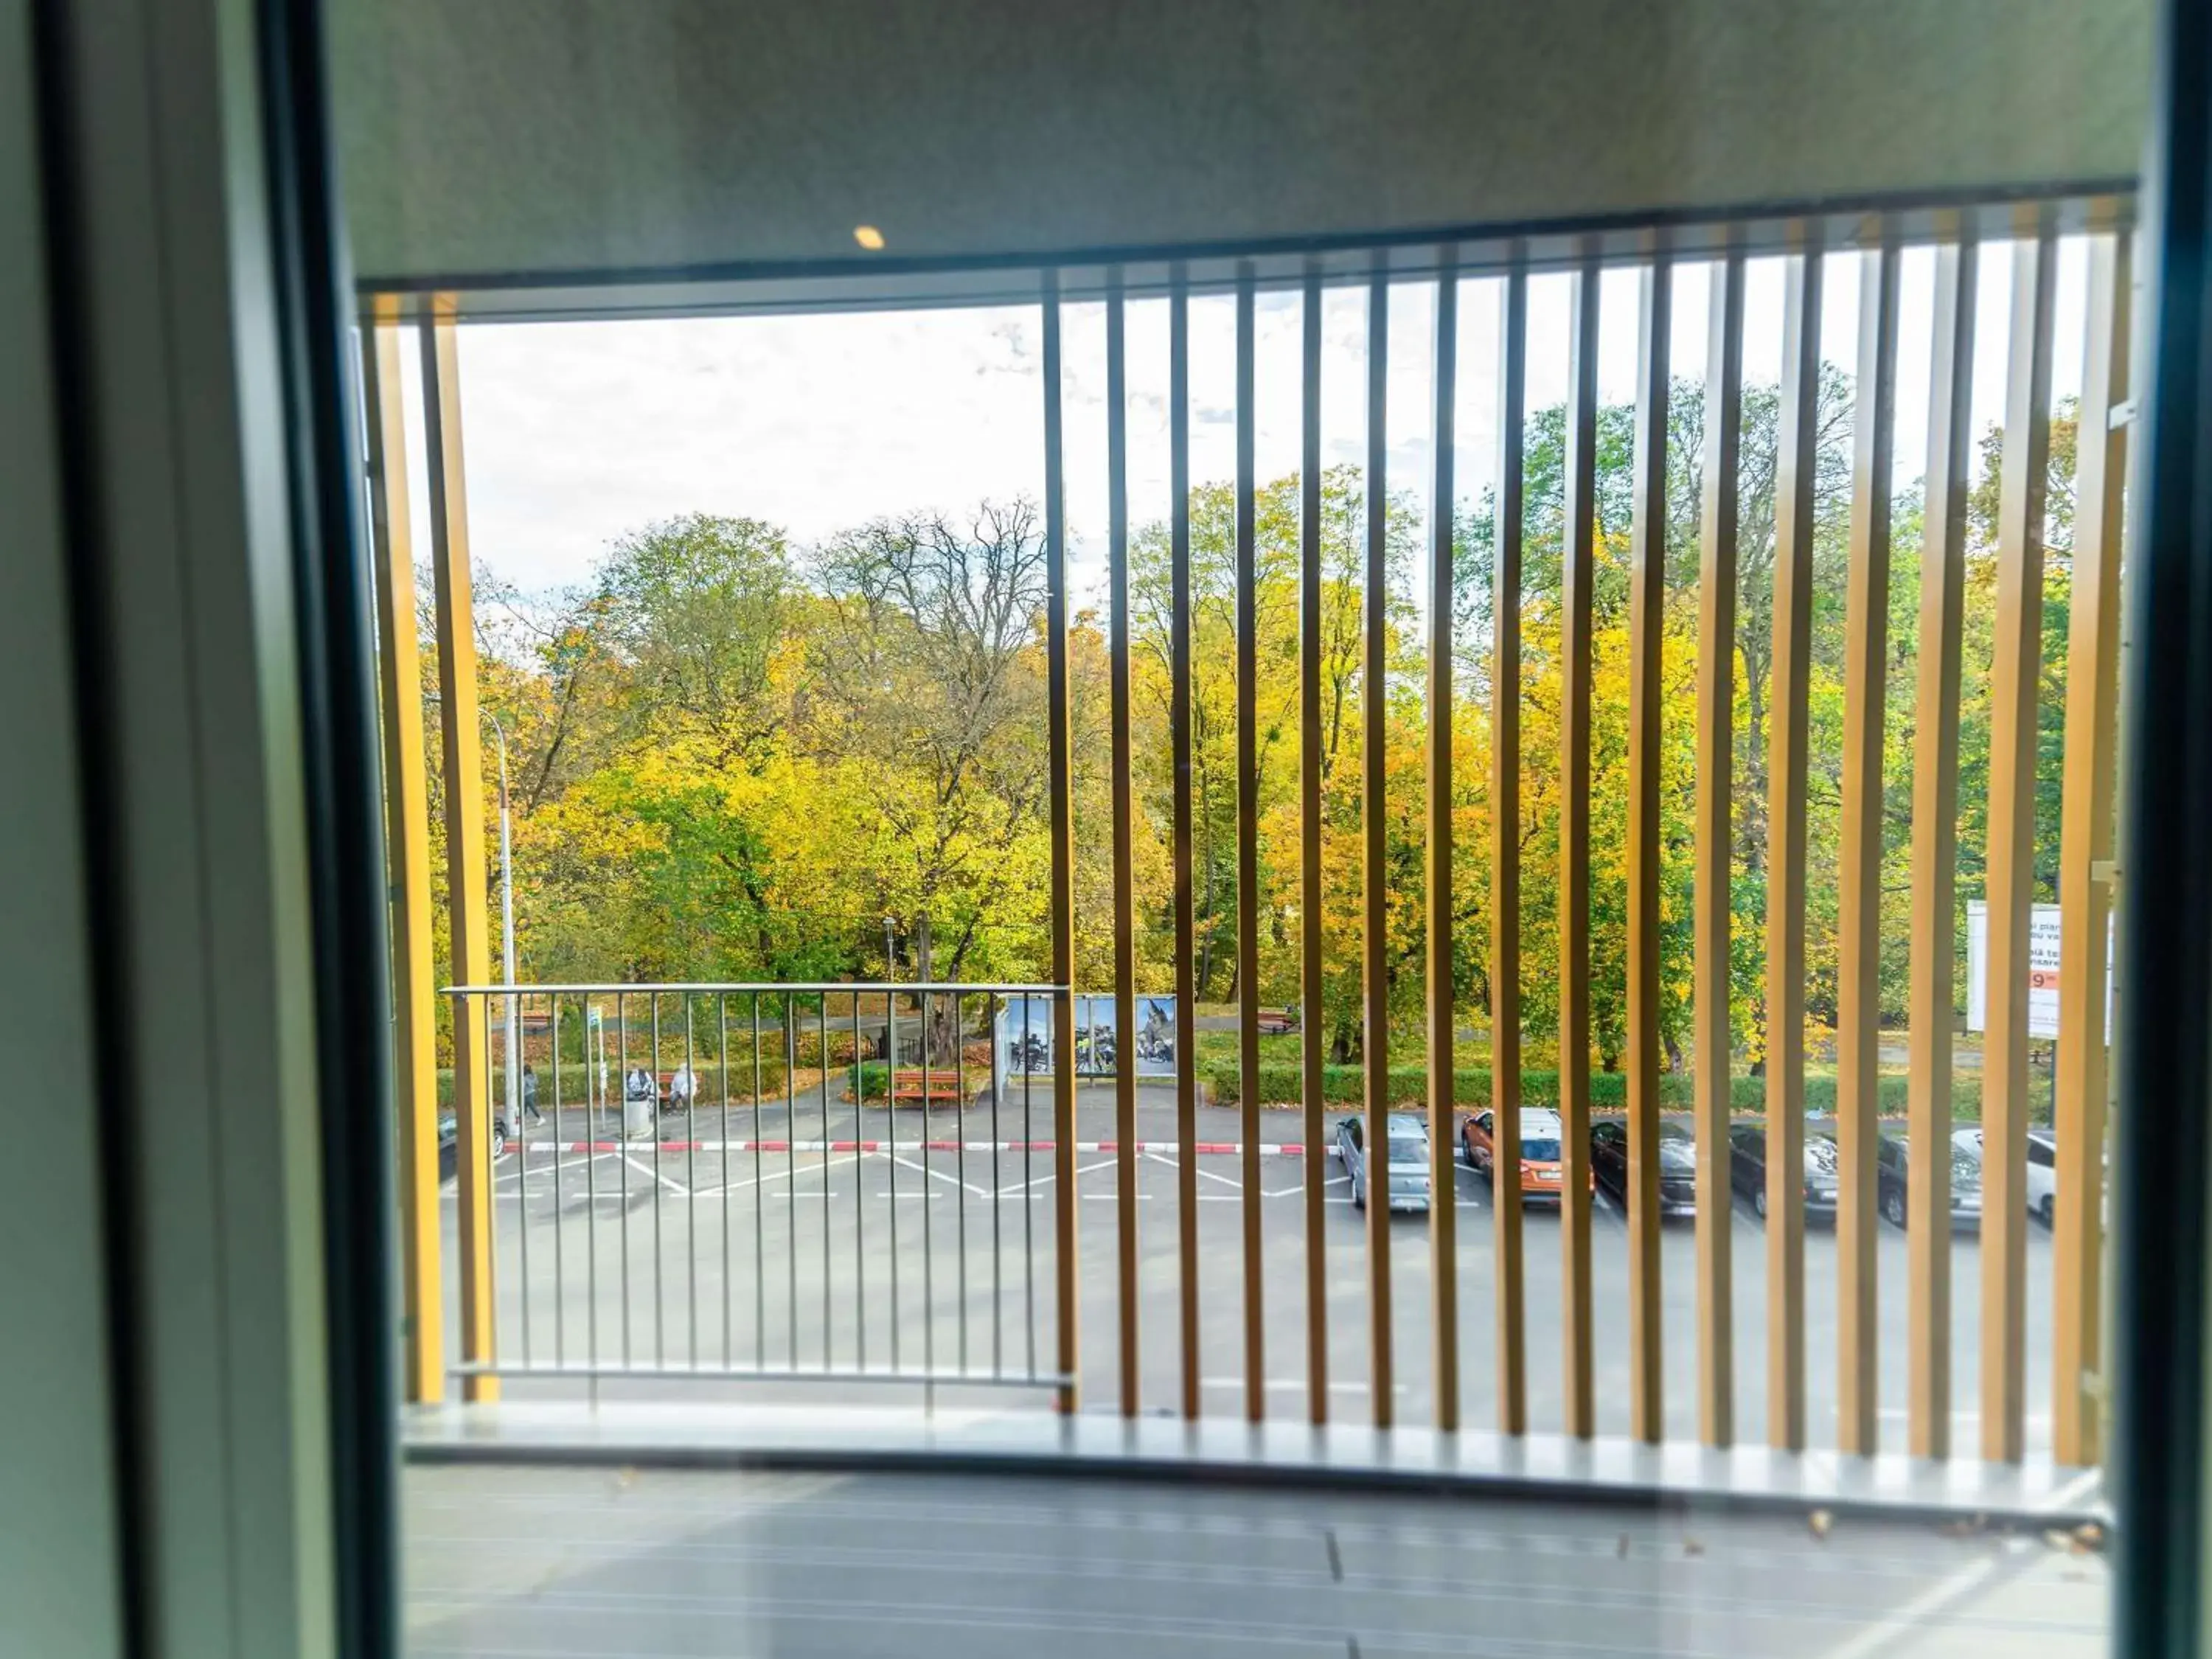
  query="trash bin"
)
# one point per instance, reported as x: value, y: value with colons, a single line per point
x: 638, y: 1104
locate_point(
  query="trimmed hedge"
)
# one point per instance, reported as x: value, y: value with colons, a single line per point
x: 1346, y: 1085
x: 709, y: 1093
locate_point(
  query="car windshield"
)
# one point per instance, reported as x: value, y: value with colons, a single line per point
x: 1408, y: 1149
x: 1540, y: 1151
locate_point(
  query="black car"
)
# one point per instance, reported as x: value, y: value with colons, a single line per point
x: 1889, y: 1179
x: 1678, y: 1164
x: 1747, y: 1169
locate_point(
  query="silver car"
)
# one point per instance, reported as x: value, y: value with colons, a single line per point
x: 1409, y: 1165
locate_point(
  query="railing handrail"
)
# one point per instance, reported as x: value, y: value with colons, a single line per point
x: 764, y: 988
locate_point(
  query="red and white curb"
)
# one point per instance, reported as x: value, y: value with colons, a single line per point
x: 1204, y: 1148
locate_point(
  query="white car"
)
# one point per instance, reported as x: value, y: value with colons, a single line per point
x: 2042, y: 1169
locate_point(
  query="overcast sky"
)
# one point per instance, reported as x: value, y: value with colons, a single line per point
x: 578, y: 434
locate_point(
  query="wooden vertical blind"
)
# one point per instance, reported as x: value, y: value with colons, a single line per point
x: 1577, y: 577
x: 1647, y: 599
x: 2084, y: 885
x: 1858, y: 972
x: 1125, y: 918
x: 1312, y: 982
x: 1930, y: 997
x: 1062, y: 810
x: 2014, y: 677
x: 470, y: 957
x: 1796, y: 464
x: 407, y: 845
x: 1713, y: 1040
x: 1443, y: 1022
x: 1375, y: 871
x: 1585, y: 621
x: 1505, y: 862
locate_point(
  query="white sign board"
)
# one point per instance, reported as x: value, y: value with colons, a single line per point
x: 2043, y: 970
x: 1023, y: 1043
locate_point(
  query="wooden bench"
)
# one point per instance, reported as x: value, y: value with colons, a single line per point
x: 1278, y: 1022
x: 943, y: 1084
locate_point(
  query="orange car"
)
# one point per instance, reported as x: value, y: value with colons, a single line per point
x: 1540, y: 1132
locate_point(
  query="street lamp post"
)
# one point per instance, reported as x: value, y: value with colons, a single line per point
x: 513, y: 1109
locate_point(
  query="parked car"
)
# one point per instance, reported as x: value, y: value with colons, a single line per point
x: 1894, y: 1168
x: 1747, y: 1168
x: 449, y: 1137
x: 1540, y: 1139
x: 1889, y: 1174
x: 1678, y: 1164
x: 2042, y: 1169
x: 1406, y: 1161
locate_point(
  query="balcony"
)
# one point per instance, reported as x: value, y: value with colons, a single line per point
x: 800, y: 1243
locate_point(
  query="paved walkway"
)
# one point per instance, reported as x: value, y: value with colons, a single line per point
x: 576, y: 1563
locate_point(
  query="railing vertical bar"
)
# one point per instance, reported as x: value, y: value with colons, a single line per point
x: 407, y: 839
x: 692, y: 1177
x: 590, y: 1196
x: 998, y: 1203
x: 1313, y: 1029
x: 1124, y: 917
x: 828, y: 1264
x: 1443, y: 1208
x: 2015, y: 674
x: 1375, y: 897
x: 1796, y: 464
x: 1714, y: 1041
x: 729, y: 1271
x: 622, y: 1161
x: 660, y: 1297
x: 1935, y: 852
x: 891, y: 1153
x: 2085, y: 897
x: 760, y: 1214
x: 860, y: 1196
x: 1062, y: 908
x: 1505, y: 859
x: 492, y: 1264
x: 959, y: 1170
x: 928, y: 1201
x: 1647, y: 623
x: 560, y: 1266
x: 469, y: 948
x: 1028, y: 1208
x: 1578, y: 576
x: 1179, y: 737
x: 791, y: 1175
x: 1858, y: 974
x: 511, y: 1028
x: 1247, y: 855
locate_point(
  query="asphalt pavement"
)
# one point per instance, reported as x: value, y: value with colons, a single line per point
x: 814, y: 1263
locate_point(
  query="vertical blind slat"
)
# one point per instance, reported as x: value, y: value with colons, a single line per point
x: 1858, y: 975
x: 2015, y: 674
x: 1796, y: 464
x: 1934, y: 853
x: 2085, y: 895
x: 1715, y: 835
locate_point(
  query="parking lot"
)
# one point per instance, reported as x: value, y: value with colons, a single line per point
x: 816, y: 1263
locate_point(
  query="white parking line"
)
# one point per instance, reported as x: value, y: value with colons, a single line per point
x: 645, y: 1170
x: 938, y: 1175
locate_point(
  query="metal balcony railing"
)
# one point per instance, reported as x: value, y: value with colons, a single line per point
x: 493, y: 1347
x: 619, y: 1153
